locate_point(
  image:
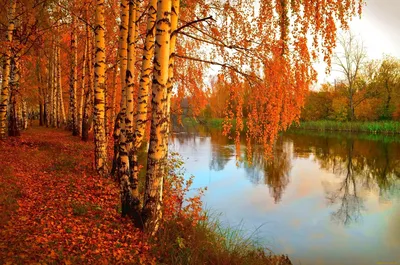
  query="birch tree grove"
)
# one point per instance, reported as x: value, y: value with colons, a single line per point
x: 169, y: 52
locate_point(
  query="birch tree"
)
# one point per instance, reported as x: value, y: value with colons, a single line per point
x: 5, y: 88
x: 158, y: 148
x: 99, y: 92
x: 73, y: 80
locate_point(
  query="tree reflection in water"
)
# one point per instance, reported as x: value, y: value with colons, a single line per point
x: 273, y: 172
x: 361, y: 165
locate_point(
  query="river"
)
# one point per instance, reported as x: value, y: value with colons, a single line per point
x: 323, y: 199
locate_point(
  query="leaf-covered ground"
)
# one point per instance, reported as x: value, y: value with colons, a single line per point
x: 55, y: 210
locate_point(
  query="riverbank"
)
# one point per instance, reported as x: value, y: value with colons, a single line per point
x: 54, y: 209
x: 216, y: 123
x: 381, y: 127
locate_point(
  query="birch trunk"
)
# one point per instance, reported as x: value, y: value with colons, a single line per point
x: 170, y: 84
x: 119, y: 127
x: 41, y: 95
x: 129, y: 192
x: 73, y: 80
x: 144, y: 85
x: 157, y: 159
x: 13, y: 128
x: 99, y: 87
x: 88, y: 93
x: 5, y: 89
x: 62, y: 118
x: 56, y: 101
x: 82, y: 94
x: 113, y: 98
x: 53, y: 85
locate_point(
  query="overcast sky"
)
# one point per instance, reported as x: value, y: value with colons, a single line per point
x: 379, y: 29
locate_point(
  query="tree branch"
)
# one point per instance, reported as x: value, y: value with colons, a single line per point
x: 224, y: 65
x: 191, y: 23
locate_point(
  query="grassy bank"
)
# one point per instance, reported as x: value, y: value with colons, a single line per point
x: 212, y: 123
x: 384, y: 127
x: 209, y: 242
x: 343, y: 135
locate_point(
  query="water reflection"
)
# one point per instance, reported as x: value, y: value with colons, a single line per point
x: 360, y: 165
x: 322, y: 198
x: 274, y: 172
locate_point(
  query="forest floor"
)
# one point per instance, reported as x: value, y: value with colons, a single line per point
x: 55, y: 210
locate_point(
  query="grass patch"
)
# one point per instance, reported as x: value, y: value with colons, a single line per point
x: 214, y: 123
x: 83, y: 209
x: 385, y: 138
x: 80, y: 209
x: 209, y: 242
x: 383, y: 127
x: 64, y: 164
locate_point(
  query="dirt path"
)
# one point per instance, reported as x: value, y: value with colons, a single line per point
x: 54, y: 209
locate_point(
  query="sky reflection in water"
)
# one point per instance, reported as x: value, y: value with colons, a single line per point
x: 322, y: 199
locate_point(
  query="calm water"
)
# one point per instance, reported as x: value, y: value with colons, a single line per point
x: 323, y: 199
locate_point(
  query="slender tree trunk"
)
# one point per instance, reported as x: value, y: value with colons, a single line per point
x: 52, y: 110
x: 62, y: 116
x: 13, y: 117
x: 56, y: 90
x: 388, y: 99
x: 5, y: 89
x: 119, y: 127
x: 47, y: 104
x: 106, y: 109
x: 41, y: 94
x: 20, y: 121
x: 113, y: 98
x: 24, y: 115
x: 351, y: 106
x: 144, y: 85
x: 88, y: 93
x: 157, y: 159
x: 73, y: 79
x: 174, y: 25
x: 41, y: 114
x: 129, y: 186
x: 13, y: 128
x: 99, y: 106
x: 82, y: 93
x: 92, y: 81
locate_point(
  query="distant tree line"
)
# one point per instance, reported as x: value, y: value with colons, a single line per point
x: 375, y: 95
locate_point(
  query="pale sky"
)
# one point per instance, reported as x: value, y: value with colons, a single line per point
x: 378, y: 28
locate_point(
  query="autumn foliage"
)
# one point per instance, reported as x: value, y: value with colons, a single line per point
x: 124, y: 73
x: 376, y: 95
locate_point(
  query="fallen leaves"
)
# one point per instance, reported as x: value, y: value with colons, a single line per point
x: 63, y: 213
